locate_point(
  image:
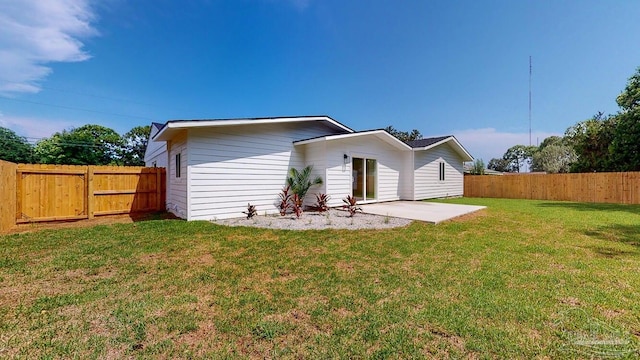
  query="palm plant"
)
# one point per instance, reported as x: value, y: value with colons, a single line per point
x: 300, y: 182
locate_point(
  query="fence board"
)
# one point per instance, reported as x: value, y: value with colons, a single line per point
x: 613, y: 187
x: 7, y: 195
x: 69, y: 192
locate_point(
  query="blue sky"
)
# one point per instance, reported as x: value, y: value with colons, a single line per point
x: 442, y: 67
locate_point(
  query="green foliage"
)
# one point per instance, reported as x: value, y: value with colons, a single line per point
x: 404, y: 136
x: 629, y: 99
x: 518, y: 156
x: 497, y: 164
x: 14, y: 148
x: 300, y: 181
x: 554, y: 159
x: 134, y: 145
x: 591, y: 139
x: 625, y: 145
x: 86, y: 145
x: 478, y: 167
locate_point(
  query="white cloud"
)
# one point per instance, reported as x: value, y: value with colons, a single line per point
x: 33, y: 128
x: 34, y: 33
x: 490, y: 143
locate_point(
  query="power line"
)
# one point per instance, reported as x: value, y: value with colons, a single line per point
x: 76, y: 108
x: 83, y: 93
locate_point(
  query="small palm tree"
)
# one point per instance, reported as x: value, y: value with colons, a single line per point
x: 300, y: 181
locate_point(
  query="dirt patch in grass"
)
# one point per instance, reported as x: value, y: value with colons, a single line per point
x: 100, y: 220
x: 467, y: 217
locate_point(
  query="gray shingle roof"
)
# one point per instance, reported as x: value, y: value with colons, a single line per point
x: 426, y: 141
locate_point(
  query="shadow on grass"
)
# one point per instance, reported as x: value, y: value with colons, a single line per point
x: 633, y: 209
x: 625, y: 234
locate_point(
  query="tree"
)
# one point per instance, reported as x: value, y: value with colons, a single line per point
x: 135, y: 144
x: 300, y: 181
x: 86, y: 145
x: 14, y: 148
x: 404, y: 136
x: 478, y: 167
x: 497, y: 164
x: 554, y: 159
x: 591, y: 139
x: 519, y: 155
x: 629, y: 99
x: 625, y: 145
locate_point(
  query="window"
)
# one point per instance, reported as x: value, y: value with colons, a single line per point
x: 178, y: 165
x: 441, y: 170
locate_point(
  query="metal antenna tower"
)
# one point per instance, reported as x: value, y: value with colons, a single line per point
x: 529, y: 100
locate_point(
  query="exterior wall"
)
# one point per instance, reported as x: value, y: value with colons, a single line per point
x: 232, y: 166
x: 158, y: 158
x: 339, y: 175
x: 156, y: 151
x: 408, y: 178
x: 427, y: 173
x: 177, y: 187
x: 315, y: 154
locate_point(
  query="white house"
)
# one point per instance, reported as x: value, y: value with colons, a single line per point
x: 216, y: 167
x: 156, y: 153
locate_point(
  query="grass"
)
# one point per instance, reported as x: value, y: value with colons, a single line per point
x: 524, y: 279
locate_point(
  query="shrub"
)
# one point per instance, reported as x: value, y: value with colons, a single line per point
x: 321, y: 203
x: 300, y: 181
x: 251, y: 211
x: 285, y: 201
x: 296, y: 204
x: 351, y: 205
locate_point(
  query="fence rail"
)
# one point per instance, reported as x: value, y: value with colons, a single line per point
x: 613, y: 187
x: 36, y: 193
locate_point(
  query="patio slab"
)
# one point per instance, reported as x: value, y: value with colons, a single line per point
x: 430, y: 212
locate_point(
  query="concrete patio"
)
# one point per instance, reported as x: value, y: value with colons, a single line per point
x: 430, y: 212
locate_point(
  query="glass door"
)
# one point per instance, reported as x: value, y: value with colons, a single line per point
x: 365, y: 178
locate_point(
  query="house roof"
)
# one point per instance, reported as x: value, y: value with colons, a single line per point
x: 173, y: 126
x: 378, y: 133
x: 428, y: 143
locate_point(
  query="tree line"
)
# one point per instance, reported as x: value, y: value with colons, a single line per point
x: 85, y: 145
x: 601, y: 143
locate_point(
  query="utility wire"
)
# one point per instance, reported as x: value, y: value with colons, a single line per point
x: 82, y: 93
x: 76, y: 108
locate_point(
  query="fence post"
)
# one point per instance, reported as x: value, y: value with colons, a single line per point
x: 90, y: 196
x: 158, y: 189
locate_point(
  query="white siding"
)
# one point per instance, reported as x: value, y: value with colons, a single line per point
x: 427, y: 173
x: 407, y: 178
x: 158, y: 158
x: 156, y: 151
x: 315, y: 154
x: 232, y: 166
x: 177, y: 187
x: 389, y: 162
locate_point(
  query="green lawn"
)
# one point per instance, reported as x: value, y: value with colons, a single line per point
x: 524, y: 279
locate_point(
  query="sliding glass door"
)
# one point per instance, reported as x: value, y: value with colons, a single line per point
x: 365, y: 179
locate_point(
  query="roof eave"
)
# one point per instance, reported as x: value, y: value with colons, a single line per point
x: 466, y: 156
x: 381, y: 134
x: 173, y: 126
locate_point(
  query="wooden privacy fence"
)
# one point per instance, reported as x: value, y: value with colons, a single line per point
x: 613, y: 187
x: 33, y: 193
